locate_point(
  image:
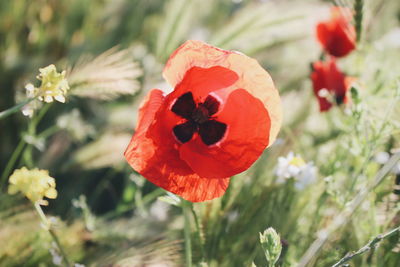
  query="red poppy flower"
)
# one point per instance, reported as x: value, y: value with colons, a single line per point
x: 337, y: 35
x: 327, y: 76
x: 222, y: 114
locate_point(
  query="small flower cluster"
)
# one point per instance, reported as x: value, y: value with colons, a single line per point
x: 34, y: 184
x: 337, y: 37
x: 54, y: 86
x: 294, y: 167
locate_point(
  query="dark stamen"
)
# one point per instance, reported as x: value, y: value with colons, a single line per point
x: 184, y: 105
x: 211, y: 104
x: 184, y: 132
x: 212, y: 131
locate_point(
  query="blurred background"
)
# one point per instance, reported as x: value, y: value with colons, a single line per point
x: 114, y: 53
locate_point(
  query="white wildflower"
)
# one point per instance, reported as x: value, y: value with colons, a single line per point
x: 293, y: 166
x: 29, y: 108
x: 382, y: 157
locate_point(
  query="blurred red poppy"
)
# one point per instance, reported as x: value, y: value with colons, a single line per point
x: 222, y: 114
x: 330, y: 84
x: 337, y: 35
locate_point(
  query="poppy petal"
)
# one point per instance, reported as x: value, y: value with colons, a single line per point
x: 319, y: 83
x: 137, y: 154
x: 150, y: 105
x: 154, y: 155
x: 326, y: 75
x: 245, y: 139
x: 335, y: 78
x: 202, y: 81
x: 252, y: 77
x: 337, y: 35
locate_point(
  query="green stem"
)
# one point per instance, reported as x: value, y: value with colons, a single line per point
x: 198, y: 230
x: 358, y: 17
x: 47, y: 225
x: 40, y: 115
x: 32, y: 127
x: 48, y: 132
x: 14, y: 109
x: 188, y: 244
x: 12, y: 160
x: 20, y: 147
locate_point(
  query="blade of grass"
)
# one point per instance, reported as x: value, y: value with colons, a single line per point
x: 14, y: 109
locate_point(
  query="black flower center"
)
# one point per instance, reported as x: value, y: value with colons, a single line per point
x: 199, y: 119
x: 200, y: 114
x: 339, y: 99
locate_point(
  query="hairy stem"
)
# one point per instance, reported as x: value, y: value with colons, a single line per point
x: 370, y: 245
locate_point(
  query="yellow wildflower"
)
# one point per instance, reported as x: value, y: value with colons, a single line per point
x: 34, y: 184
x: 54, y: 85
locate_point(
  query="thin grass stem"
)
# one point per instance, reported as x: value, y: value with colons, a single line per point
x: 14, y: 109
x: 54, y: 236
x: 11, y: 163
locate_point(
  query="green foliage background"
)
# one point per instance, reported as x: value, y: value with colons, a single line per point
x: 110, y: 216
